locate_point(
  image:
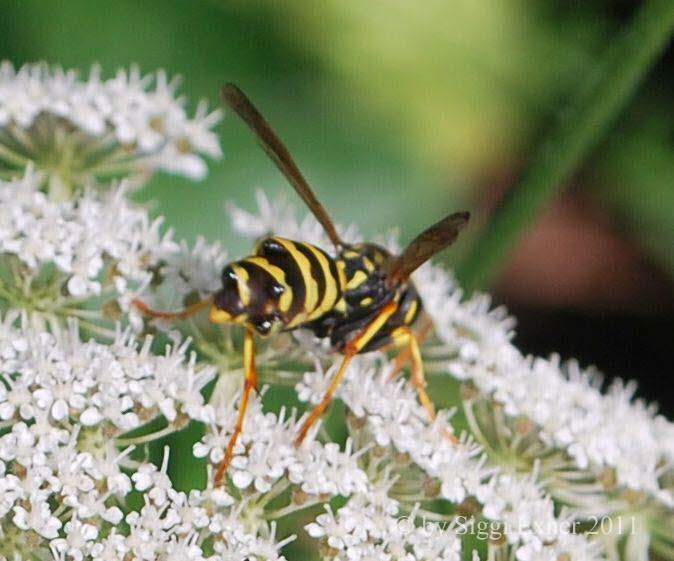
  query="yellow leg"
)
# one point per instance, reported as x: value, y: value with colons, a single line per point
x: 405, y: 355
x: 250, y: 383
x: 182, y: 314
x: 404, y: 335
x: 351, y: 349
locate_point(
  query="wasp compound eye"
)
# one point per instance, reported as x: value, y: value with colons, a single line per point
x: 228, y: 276
x: 272, y: 247
x: 276, y: 290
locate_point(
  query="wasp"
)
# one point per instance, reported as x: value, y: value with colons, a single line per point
x: 362, y: 299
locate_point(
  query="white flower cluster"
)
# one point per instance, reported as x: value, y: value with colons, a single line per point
x: 79, y: 237
x: 75, y: 414
x: 395, y: 417
x: 597, y: 428
x: 101, y: 244
x: 61, y: 474
x: 371, y: 527
x: 265, y: 454
x: 173, y: 525
x: 151, y: 124
x: 59, y: 379
x: 195, y: 269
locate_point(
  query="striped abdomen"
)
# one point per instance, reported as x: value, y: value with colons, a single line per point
x: 282, y: 286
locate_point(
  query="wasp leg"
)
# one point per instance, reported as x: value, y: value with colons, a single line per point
x: 402, y: 336
x: 182, y: 314
x: 250, y: 383
x: 352, y: 348
x: 405, y: 356
x: 405, y: 336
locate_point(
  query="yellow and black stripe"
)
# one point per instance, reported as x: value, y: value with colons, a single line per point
x: 288, y: 284
x: 283, y: 285
x: 316, y: 282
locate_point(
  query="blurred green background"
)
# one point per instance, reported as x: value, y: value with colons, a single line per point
x: 399, y: 112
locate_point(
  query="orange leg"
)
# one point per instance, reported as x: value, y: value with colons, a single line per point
x: 182, y: 314
x: 352, y: 348
x: 404, y: 335
x: 250, y: 383
x: 405, y: 355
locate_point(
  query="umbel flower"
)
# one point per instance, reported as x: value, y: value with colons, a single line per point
x: 547, y: 463
x: 76, y: 130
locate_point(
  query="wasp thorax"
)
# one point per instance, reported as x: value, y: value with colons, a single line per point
x: 363, y: 264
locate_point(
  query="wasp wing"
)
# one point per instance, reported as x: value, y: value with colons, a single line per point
x: 424, y: 246
x: 277, y: 151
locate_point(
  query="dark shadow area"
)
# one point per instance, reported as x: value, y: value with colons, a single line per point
x: 618, y: 344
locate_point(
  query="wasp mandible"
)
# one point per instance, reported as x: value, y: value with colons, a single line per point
x: 362, y: 299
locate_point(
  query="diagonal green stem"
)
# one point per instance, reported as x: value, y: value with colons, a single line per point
x: 599, y: 101
x: 12, y: 157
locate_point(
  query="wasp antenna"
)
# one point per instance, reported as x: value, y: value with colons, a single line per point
x: 280, y: 155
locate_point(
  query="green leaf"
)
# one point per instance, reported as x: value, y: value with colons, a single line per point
x: 600, y: 99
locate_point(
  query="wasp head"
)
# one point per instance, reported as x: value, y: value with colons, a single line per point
x: 245, y: 299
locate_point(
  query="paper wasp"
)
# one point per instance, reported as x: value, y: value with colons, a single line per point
x: 362, y: 299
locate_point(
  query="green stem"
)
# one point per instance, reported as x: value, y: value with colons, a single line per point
x: 278, y: 488
x: 170, y: 429
x: 599, y: 101
x: 97, y: 329
x: 12, y: 157
x: 22, y: 137
x: 289, y: 509
x: 106, y: 168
